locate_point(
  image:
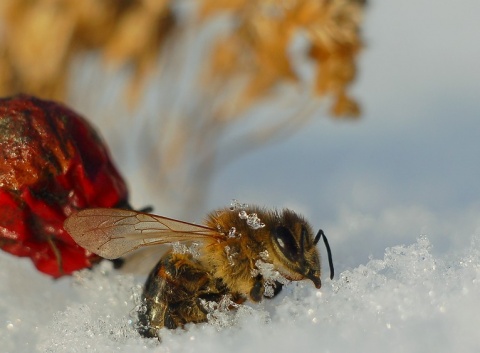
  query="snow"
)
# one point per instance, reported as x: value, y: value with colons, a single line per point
x: 409, y: 301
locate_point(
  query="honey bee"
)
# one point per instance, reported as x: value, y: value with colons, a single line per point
x: 245, y: 253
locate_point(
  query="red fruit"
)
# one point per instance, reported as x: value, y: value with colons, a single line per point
x: 52, y: 163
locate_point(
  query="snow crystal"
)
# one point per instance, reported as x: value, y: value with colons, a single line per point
x: 235, y: 205
x: 232, y: 233
x: 104, y: 320
x: 270, y: 275
x: 226, y: 313
x: 230, y: 255
x: 181, y: 248
x: 252, y: 219
x: 254, y: 222
x: 243, y: 214
x: 264, y: 255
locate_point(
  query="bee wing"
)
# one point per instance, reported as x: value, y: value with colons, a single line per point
x: 111, y: 232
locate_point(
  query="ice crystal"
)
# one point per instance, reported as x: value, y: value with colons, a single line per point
x: 230, y: 255
x: 180, y: 248
x: 252, y: 219
x: 264, y: 255
x: 254, y: 222
x: 232, y: 233
x: 270, y: 275
x: 235, y: 205
x: 226, y: 313
x: 219, y: 313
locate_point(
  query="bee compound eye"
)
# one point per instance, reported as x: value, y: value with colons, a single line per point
x: 286, y: 242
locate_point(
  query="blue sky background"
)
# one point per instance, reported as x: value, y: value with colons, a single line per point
x: 410, y: 165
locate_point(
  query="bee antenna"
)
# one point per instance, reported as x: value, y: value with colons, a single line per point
x: 317, y: 237
x: 329, y: 252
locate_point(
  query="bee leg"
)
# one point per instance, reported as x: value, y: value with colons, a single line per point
x: 277, y: 289
x: 180, y: 313
x: 258, y: 289
x: 118, y: 263
x: 171, y: 315
x: 153, y: 318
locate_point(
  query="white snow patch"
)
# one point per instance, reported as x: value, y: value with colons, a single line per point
x: 409, y: 301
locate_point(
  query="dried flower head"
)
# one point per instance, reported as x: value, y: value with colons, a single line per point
x: 40, y: 38
x: 258, y: 46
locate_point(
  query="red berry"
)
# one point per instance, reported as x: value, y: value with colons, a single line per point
x: 52, y: 163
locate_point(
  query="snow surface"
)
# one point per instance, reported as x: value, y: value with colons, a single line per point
x: 409, y: 301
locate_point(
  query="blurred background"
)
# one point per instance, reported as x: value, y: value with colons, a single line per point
x: 362, y: 117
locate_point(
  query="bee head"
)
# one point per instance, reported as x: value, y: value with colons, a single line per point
x: 295, y: 248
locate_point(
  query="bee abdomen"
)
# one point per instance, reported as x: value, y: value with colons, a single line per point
x: 173, y: 293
